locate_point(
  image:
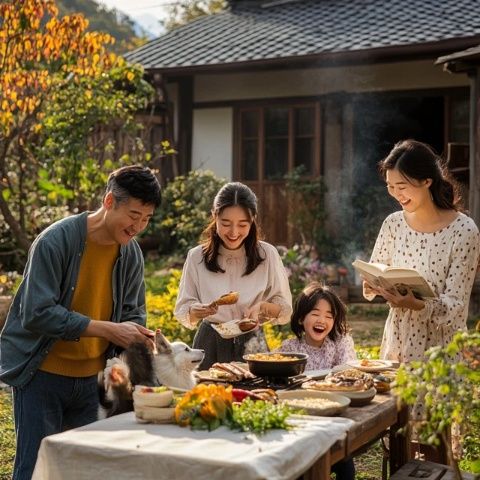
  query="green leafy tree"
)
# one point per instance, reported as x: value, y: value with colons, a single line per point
x: 184, y: 11
x: 185, y: 211
x: 307, y: 211
x: 448, y: 384
x: 62, y: 91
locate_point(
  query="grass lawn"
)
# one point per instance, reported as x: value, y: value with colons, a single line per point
x: 7, y: 435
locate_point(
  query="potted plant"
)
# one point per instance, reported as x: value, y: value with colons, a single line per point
x: 448, y: 384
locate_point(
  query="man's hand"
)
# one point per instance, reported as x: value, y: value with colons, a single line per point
x: 126, y: 333
x: 122, y: 334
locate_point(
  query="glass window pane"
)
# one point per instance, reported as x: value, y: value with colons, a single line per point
x: 249, y: 121
x: 249, y: 160
x: 304, y: 121
x: 304, y: 152
x: 276, y: 122
x: 276, y: 159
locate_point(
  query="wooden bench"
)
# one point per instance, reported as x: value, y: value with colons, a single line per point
x: 427, y: 471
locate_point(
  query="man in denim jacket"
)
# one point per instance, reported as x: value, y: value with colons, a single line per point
x: 82, y: 295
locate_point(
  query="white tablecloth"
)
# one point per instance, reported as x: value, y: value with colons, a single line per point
x: 119, y: 448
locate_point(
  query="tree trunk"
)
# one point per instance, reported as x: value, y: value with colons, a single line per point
x: 20, y: 236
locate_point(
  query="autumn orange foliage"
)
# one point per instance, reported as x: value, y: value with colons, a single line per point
x: 37, y: 51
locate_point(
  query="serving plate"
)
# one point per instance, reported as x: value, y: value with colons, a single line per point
x: 372, y: 365
x: 358, y: 397
x: 336, y: 403
x: 230, y: 329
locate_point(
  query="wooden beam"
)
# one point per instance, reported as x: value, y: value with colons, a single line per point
x: 474, y: 188
x: 185, y: 123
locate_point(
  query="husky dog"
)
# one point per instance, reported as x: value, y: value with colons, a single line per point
x: 170, y: 364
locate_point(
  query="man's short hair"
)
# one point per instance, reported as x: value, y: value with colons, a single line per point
x: 135, y: 181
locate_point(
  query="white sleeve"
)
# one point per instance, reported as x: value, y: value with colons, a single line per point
x: 450, y: 306
x: 187, y: 292
x: 279, y: 288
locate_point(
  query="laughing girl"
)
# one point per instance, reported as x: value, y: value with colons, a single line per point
x: 319, y: 324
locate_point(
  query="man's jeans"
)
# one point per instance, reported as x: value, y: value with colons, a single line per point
x: 49, y: 404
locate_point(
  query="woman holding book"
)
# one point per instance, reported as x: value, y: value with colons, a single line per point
x: 432, y: 236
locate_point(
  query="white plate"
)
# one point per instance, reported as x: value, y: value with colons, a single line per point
x: 340, y: 401
x: 372, y: 365
x: 317, y: 374
x: 358, y: 397
x: 230, y: 329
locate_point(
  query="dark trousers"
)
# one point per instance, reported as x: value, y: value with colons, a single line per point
x: 49, y: 404
x: 344, y: 470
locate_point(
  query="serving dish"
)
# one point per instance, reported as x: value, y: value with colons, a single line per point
x: 230, y: 329
x: 161, y: 398
x: 314, y: 402
x: 358, y: 398
x: 145, y: 414
x: 269, y: 367
x: 372, y: 365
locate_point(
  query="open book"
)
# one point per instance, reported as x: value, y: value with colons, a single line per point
x: 380, y: 275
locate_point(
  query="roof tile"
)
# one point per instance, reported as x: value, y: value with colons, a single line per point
x: 309, y: 27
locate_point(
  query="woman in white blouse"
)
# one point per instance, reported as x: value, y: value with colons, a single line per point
x: 430, y: 235
x: 232, y: 258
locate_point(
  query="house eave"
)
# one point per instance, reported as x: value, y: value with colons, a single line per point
x: 328, y: 59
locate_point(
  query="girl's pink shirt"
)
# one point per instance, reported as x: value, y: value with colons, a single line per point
x: 329, y: 355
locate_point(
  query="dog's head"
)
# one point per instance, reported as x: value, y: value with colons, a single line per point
x: 184, y: 357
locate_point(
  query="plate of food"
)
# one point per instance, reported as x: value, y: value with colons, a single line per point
x: 234, y: 328
x: 352, y: 383
x: 367, y: 365
x: 225, y: 372
x: 314, y: 402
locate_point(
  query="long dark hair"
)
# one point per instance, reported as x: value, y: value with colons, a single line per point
x: 231, y: 195
x: 306, y: 302
x: 417, y: 160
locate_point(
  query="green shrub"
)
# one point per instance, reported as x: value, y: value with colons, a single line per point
x: 160, y: 309
x: 185, y: 211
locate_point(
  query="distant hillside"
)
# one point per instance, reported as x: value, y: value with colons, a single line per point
x: 126, y: 32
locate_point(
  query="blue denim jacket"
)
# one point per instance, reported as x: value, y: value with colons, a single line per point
x: 40, y: 315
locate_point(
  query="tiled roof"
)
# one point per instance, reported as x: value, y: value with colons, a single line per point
x: 308, y: 28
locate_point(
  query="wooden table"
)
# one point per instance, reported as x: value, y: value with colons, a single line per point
x: 379, y: 418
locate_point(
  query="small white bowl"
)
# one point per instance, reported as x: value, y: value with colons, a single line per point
x: 152, y: 399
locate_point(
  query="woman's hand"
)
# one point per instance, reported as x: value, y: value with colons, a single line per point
x: 263, y: 312
x: 396, y: 300
x: 199, y: 311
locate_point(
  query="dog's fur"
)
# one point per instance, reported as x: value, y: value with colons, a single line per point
x: 170, y: 364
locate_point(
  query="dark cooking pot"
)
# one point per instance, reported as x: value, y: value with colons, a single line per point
x: 277, y: 368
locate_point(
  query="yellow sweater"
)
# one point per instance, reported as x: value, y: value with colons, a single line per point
x: 93, y: 298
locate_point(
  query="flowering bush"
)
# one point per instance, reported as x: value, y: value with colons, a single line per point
x: 160, y: 311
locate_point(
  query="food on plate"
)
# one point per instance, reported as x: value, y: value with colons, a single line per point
x: 270, y: 357
x: 345, y: 380
x: 247, y: 324
x: 266, y: 394
x: 229, y: 371
x: 312, y: 402
x: 227, y: 299
x: 371, y: 363
x: 382, y: 383
x: 146, y: 396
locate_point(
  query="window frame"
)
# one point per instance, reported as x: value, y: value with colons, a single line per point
x: 291, y: 106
